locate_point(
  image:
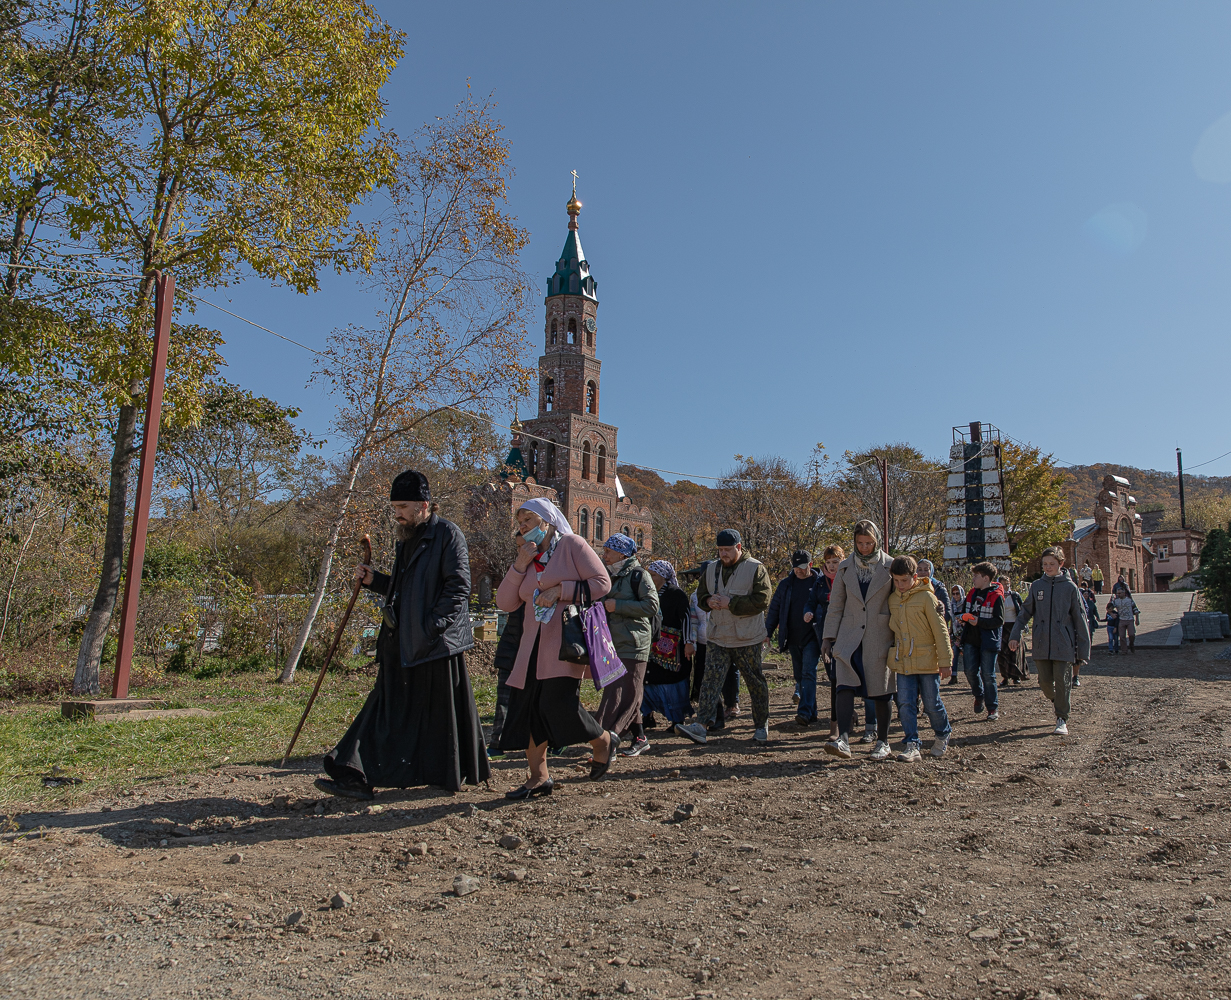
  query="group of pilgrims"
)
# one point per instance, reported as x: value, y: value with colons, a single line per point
x: 883, y: 628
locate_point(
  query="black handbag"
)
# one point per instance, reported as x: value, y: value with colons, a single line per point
x: 573, y: 629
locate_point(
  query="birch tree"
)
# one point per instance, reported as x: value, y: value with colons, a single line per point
x: 450, y: 331
x: 199, y: 136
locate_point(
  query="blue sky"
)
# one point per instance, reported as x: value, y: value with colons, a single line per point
x: 850, y: 223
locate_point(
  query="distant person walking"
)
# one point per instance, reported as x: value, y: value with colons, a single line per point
x: 1012, y: 661
x: 858, y: 636
x: 631, y: 604
x: 957, y: 597
x: 1060, y: 637
x: 1086, y: 574
x: 1096, y: 578
x: 814, y: 614
x: 666, y: 675
x: 983, y: 617
x: 788, y: 614
x: 1126, y: 609
x: 736, y: 589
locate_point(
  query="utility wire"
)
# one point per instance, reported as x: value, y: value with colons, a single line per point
x: 1211, y: 461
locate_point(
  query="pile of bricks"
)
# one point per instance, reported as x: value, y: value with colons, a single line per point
x: 1204, y: 625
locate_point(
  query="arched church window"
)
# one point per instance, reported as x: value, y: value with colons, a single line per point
x: 589, y: 339
x: 602, y: 463
x: 624, y: 531
x: 572, y: 330
x: 640, y: 538
x: 591, y: 397
x: 534, y: 458
x: 583, y: 523
x: 551, y: 461
x: 555, y: 284
x: 585, y: 460
x: 553, y: 331
x: 598, y: 525
x: 574, y: 284
x: 1125, y: 534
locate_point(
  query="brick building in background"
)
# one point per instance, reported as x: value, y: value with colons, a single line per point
x: 566, y: 446
x: 1111, y: 538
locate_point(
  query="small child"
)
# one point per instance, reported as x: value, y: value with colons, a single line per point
x: 921, y: 656
x: 983, y: 615
x: 1061, y: 636
x: 1113, y: 629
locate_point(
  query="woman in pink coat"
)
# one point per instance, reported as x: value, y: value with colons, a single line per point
x: 551, y: 564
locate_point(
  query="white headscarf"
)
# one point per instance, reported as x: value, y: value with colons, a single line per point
x: 549, y: 512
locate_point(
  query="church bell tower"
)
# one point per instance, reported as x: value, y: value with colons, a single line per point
x: 566, y: 446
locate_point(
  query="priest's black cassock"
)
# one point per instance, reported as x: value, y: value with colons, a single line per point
x: 419, y: 725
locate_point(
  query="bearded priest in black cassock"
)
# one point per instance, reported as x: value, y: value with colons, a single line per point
x: 419, y: 725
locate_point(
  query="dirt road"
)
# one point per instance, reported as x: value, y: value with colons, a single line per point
x: 1018, y: 866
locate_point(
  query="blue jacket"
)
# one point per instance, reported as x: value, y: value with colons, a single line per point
x: 942, y: 595
x: 779, y: 614
x: 818, y: 605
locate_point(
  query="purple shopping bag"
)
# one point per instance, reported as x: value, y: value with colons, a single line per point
x: 605, y: 665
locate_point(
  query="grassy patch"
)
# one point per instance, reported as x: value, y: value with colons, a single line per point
x: 255, y: 719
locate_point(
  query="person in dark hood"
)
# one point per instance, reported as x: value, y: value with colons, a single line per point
x: 419, y: 725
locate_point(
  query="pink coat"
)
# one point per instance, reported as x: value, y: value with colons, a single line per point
x: 574, y: 560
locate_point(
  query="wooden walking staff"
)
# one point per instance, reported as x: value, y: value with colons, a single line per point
x: 333, y: 646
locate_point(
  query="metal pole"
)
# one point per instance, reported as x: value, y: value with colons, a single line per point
x: 164, y: 297
x: 885, y: 500
x: 1179, y: 469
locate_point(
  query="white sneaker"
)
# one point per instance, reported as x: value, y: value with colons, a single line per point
x: 693, y: 730
x: 761, y: 735
x: 881, y: 750
x: 911, y: 754
x: 838, y: 748
x: 1062, y: 728
x: 939, y: 746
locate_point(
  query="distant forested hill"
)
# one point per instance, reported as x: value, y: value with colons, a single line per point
x: 1152, y: 489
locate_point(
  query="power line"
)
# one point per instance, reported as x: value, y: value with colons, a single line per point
x: 1210, y: 462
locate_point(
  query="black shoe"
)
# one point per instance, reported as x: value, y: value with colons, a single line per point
x: 952, y: 681
x: 717, y: 727
x: 349, y: 790
x: 649, y: 722
x: 517, y: 794
x: 597, y: 770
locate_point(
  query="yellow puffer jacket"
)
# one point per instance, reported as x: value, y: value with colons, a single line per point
x: 921, y: 641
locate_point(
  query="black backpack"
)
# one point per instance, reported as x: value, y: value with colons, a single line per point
x: 656, y: 622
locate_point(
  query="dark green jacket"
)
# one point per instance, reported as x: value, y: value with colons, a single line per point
x: 636, y: 603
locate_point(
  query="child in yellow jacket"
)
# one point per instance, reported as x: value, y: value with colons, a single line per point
x: 921, y: 656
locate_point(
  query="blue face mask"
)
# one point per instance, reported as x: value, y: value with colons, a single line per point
x: 535, y: 535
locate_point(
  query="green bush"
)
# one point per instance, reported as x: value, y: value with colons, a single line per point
x: 1215, y: 572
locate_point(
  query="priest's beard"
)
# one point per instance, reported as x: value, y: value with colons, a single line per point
x: 405, y: 532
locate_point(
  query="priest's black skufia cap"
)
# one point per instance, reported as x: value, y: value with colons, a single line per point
x: 411, y: 486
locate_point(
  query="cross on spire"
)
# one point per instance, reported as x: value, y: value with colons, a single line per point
x: 574, y: 183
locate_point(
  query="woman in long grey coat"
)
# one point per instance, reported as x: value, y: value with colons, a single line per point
x: 858, y: 637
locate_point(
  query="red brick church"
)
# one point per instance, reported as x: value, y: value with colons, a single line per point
x: 566, y: 452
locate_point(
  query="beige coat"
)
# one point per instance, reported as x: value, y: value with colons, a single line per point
x: 853, y: 620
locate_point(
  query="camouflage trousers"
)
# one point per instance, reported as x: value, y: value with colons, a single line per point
x: 745, y: 659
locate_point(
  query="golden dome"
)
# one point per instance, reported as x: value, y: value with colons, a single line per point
x: 574, y: 206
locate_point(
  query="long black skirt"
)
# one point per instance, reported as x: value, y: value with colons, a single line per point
x: 547, y: 711
x: 418, y: 727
